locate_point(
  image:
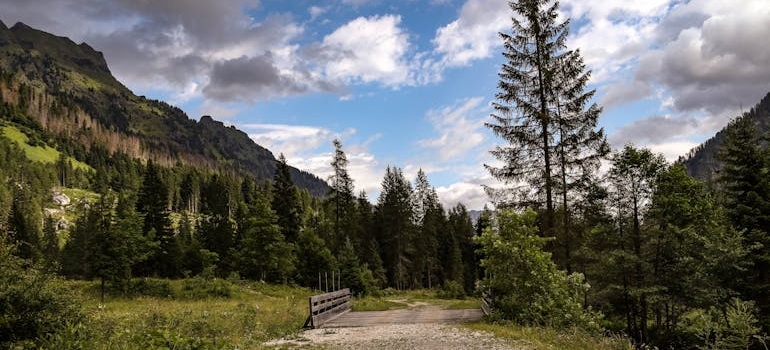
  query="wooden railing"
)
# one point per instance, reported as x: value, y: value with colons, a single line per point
x: 486, y: 304
x: 328, y: 306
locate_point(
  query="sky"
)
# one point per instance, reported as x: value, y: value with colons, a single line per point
x: 409, y: 83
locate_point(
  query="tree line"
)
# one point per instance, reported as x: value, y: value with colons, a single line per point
x: 146, y: 220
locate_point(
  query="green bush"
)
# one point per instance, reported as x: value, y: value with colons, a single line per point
x: 151, y: 287
x: 452, y: 290
x: 201, y: 287
x: 33, y: 304
x: 525, y: 285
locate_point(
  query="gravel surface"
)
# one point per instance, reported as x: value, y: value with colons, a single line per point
x: 393, y: 337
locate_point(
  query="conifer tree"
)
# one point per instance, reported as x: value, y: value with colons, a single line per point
x: 341, y: 198
x: 541, y: 112
x: 285, y: 201
x: 395, y: 227
x: 745, y: 181
x: 152, y: 204
x: 429, y: 221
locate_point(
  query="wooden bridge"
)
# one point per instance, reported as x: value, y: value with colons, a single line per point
x: 332, y: 310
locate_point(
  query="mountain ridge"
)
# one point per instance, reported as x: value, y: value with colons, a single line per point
x: 702, y: 162
x: 69, y: 90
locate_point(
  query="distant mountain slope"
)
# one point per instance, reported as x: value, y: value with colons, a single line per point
x: 702, y: 162
x: 69, y: 90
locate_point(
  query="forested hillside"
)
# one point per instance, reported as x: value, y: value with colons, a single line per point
x: 704, y: 163
x: 67, y: 89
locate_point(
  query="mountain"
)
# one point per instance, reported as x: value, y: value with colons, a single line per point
x: 703, y: 163
x: 67, y: 89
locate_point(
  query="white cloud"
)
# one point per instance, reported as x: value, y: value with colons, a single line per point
x: 459, y: 128
x: 474, y: 35
x: 316, y: 11
x: 292, y: 140
x: 672, y: 150
x: 367, y: 49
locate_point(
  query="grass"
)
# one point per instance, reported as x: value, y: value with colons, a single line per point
x: 253, y: 314
x: 541, y: 338
x: 43, y: 154
x: 391, y: 300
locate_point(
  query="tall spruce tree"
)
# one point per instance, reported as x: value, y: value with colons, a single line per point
x: 745, y: 181
x: 395, y: 227
x: 429, y: 221
x: 541, y: 112
x: 152, y: 204
x: 285, y: 201
x: 341, y: 198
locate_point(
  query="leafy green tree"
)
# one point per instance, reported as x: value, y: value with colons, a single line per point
x: 632, y: 178
x: 691, y: 252
x: 33, y: 304
x: 285, y: 201
x: 523, y: 281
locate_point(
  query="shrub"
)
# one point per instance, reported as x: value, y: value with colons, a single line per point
x: 452, y: 290
x: 201, y: 287
x: 33, y: 304
x: 525, y: 284
x: 151, y: 287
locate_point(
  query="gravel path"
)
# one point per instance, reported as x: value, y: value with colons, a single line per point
x: 393, y: 337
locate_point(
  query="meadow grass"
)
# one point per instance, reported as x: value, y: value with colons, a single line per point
x: 252, y: 314
x: 43, y: 154
x: 392, y: 299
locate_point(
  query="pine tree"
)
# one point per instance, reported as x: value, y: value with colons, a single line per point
x: 395, y: 227
x: 745, y: 181
x: 341, y: 198
x: 263, y: 253
x: 152, y: 204
x: 285, y: 201
x: 541, y: 112
x: 429, y: 221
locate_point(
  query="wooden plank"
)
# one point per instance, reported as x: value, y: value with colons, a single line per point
x: 402, y: 316
x: 327, y: 306
x: 330, y: 295
x: 485, y: 307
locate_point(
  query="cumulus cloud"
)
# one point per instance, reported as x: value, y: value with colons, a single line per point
x: 459, y: 128
x: 654, y: 130
x: 292, y: 140
x: 715, y: 64
x: 474, y: 35
x: 366, y: 49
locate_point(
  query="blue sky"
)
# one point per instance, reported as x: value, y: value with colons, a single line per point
x: 408, y: 83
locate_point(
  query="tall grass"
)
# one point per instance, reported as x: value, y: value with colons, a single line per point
x: 190, y: 318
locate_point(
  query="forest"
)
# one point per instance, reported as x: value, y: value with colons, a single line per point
x: 640, y: 248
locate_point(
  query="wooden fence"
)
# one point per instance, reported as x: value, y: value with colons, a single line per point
x: 328, y: 306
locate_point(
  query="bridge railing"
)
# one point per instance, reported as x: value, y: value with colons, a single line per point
x: 328, y: 306
x: 486, y: 303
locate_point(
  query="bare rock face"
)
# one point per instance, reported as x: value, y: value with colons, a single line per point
x: 61, y: 199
